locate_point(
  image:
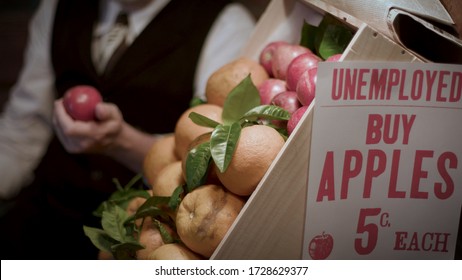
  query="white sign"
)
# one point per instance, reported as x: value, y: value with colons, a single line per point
x: 385, y: 177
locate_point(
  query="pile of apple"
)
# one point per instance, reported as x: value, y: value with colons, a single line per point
x: 292, y: 69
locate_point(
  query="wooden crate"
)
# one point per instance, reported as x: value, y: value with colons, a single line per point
x: 271, y: 224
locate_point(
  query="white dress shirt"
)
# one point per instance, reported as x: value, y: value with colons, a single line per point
x: 25, y: 124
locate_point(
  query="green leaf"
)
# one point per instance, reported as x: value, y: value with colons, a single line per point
x: 241, y: 99
x: 336, y: 38
x: 152, y: 207
x: 102, y: 207
x: 196, y: 101
x: 223, y: 142
x: 134, y: 180
x: 282, y: 131
x: 117, y: 184
x: 126, y: 250
x: 113, y: 223
x: 202, y: 120
x: 326, y: 36
x: 175, y: 198
x: 100, y: 238
x: 307, y: 38
x: 270, y: 112
x: 197, y: 165
x: 164, y: 233
x: 122, y: 196
x: 327, y: 20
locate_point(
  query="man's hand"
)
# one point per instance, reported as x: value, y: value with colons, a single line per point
x: 109, y: 135
x: 88, y: 137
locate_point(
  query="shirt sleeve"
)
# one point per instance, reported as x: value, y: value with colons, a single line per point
x: 224, y: 43
x: 25, y: 124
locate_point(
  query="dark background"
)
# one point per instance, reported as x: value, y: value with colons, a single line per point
x: 14, y: 20
x: 15, y: 16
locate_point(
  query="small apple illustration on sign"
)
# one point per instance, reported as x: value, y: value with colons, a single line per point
x: 321, y: 246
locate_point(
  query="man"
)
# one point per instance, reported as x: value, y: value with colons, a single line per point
x: 147, y: 89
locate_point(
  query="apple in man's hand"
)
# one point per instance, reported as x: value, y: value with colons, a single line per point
x: 80, y: 102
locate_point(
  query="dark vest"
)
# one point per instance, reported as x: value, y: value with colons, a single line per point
x: 152, y: 85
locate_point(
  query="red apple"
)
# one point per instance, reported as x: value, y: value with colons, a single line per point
x: 269, y: 89
x: 283, y: 56
x: 80, y: 102
x: 321, y: 246
x: 334, y: 57
x: 299, y: 65
x: 295, y: 119
x: 266, y: 56
x: 306, y: 86
x: 287, y: 100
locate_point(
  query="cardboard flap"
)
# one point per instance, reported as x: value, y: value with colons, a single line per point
x: 375, y: 13
x: 423, y: 38
x: 432, y: 10
x: 425, y: 28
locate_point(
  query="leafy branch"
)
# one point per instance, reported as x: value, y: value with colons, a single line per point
x: 119, y: 233
x: 241, y: 108
x: 330, y: 37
